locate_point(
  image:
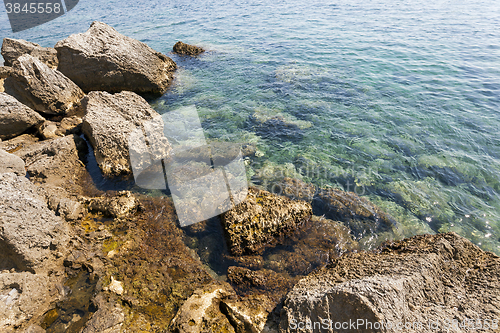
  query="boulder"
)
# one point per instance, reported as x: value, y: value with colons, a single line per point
x: 108, y: 123
x: 11, y: 163
x: 262, y: 218
x: 103, y: 59
x: 15, y: 117
x: 186, y: 49
x: 29, y: 231
x: 420, y: 281
x: 43, y: 89
x: 4, y: 73
x: 49, y: 130
x: 12, y: 49
x: 248, y: 315
x: 201, y: 312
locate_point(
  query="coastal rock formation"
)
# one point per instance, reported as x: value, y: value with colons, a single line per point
x: 15, y: 117
x: 43, y: 89
x: 12, y: 49
x: 186, y: 49
x: 29, y: 231
x: 420, y: 280
x: 359, y: 214
x: 103, y: 59
x: 108, y: 123
x: 11, y: 163
x: 262, y: 218
x: 4, y: 73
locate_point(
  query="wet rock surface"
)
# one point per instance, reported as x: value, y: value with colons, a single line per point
x: 108, y: 123
x: 420, y: 279
x: 41, y: 88
x: 12, y: 49
x: 262, y: 218
x: 186, y: 49
x: 15, y: 117
x: 103, y: 59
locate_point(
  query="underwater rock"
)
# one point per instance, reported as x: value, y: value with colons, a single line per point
x: 108, y: 123
x: 15, y: 117
x: 103, y: 59
x: 262, y: 218
x: 428, y: 278
x: 12, y: 49
x: 29, y: 231
x: 116, y: 205
x: 294, y: 188
x: 201, y: 312
x: 11, y: 163
x: 264, y: 279
x: 186, y: 49
x: 359, y: 214
x: 43, y: 89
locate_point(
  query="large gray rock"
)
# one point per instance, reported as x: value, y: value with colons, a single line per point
x: 15, y: 117
x: 108, y: 123
x: 262, y: 218
x: 103, y: 59
x: 423, y: 280
x: 12, y: 49
x: 43, y: 89
x: 11, y: 163
x: 29, y: 231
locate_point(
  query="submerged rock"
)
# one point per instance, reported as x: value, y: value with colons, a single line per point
x: 117, y: 205
x: 43, y: 89
x: 423, y: 279
x: 103, y: 59
x: 186, y: 49
x: 262, y: 218
x: 29, y: 231
x: 15, y: 117
x: 11, y: 163
x: 12, y: 49
x: 108, y: 123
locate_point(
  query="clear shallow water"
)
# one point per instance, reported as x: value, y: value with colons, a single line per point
x: 400, y: 99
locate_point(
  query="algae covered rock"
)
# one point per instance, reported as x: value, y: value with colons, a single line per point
x: 262, y: 218
x: 41, y: 88
x: 103, y: 59
x: 421, y: 280
x: 12, y: 49
x: 15, y: 117
x: 186, y: 49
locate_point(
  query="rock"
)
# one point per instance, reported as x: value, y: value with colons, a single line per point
x: 12, y: 49
x: 108, y: 318
x: 359, y: 214
x: 186, y: 49
x: 18, y: 143
x: 15, y: 117
x: 11, y: 163
x: 43, y: 89
x: 294, y: 189
x: 103, y: 59
x: 247, y: 315
x: 201, y: 312
x: 108, y: 123
x: 423, y: 279
x: 29, y: 231
x: 48, y: 130
x: 117, y: 205
x: 262, y: 218
x: 34, y: 329
x: 61, y: 202
x: 115, y: 286
x: 4, y: 73
x: 22, y: 297
x: 264, y: 279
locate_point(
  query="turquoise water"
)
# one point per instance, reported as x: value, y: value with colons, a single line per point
x: 397, y: 101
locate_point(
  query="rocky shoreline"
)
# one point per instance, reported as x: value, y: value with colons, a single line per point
x: 76, y: 259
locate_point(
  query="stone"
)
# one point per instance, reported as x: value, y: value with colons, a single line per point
x: 357, y: 213
x: 41, y: 88
x: 19, y: 142
x: 186, y: 49
x: 103, y: 59
x: 264, y: 279
x: 117, y: 205
x: 428, y: 278
x: 262, y: 218
x: 61, y: 202
x: 201, y: 313
x: 12, y: 49
x: 23, y: 296
x: 11, y: 163
x: 248, y: 315
x: 49, y: 130
x: 15, y: 117
x: 108, y: 318
x: 4, y: 73
x: 108, y: 123
x: 29, y: 230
